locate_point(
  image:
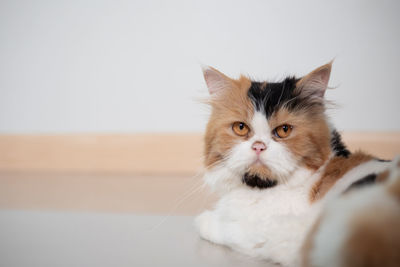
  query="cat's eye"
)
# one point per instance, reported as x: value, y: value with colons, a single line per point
x: 283, y: 131
x: 240, y: 128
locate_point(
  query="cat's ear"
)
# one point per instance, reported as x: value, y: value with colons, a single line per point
x: 216, y: 81
x: 316, y: 82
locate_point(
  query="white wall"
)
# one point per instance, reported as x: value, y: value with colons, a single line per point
x: 133, y: 66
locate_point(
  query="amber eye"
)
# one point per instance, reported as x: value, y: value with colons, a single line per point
x: 240, y: 128
x: 283, y: 131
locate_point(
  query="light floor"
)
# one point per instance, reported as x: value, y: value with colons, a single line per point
x: 106, y: 220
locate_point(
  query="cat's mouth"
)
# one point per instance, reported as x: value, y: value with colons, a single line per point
x: 258, y: 162
x: 254, y: 180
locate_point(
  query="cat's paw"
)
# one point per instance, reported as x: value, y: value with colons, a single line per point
x: 207, y: 226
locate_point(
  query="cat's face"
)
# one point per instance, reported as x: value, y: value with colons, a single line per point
x: 260, y: 133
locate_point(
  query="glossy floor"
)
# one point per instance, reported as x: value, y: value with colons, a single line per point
x: 106, y: 220
x: 43, y: 238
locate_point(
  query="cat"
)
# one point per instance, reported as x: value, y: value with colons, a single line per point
x: 289, y: 189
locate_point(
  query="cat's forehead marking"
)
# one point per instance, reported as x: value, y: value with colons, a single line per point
x: 269, y: 97
x: 260, y: 126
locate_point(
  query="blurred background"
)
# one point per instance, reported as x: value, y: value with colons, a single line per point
x: 134, y: 66
x: 101, y: 124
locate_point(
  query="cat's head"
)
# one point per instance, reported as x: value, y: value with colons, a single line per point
x: 259, y: 133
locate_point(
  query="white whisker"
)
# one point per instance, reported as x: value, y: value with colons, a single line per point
x: 164, y: 219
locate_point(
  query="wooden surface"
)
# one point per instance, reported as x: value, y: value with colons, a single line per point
x: 155, y: 154
x: 177, y: 195
x: 141, y: 154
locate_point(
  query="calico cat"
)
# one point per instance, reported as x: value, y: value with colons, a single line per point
x: 290, y: 191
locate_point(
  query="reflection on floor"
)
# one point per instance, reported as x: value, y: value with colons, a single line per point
x: 44, y: 238
x: 104, y: 220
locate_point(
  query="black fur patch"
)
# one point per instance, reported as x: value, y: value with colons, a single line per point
x: 383, y: 160
x: 337, y: 145
x: 255, y: 181
x: 269, y: 97
x: 365, y: 181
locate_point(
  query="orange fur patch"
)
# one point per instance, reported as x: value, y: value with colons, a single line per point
x: 335, y: 169
x: 374, y: 239
x: 229, y: 106
x: 310, y: 138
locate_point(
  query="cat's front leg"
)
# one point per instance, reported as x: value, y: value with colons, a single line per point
x: 209, y: 227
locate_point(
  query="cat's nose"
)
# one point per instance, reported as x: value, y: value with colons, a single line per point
x: 258, y: 147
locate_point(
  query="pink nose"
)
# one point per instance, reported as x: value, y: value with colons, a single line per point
x: 258, y: 147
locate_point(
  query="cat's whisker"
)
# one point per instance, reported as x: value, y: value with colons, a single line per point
x: 218, y: 162
x: 204, y: 203
x: 188, y: 192
x: 212, y: 165
x: 195, y: 185
x: 165, y: 218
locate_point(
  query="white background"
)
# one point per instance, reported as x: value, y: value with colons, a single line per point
x: 134, y: 66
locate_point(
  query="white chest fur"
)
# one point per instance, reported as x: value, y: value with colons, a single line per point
x: 269, y: 223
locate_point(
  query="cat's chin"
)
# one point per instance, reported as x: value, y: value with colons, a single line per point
x: 254, y: 180
x: 258, y: 175
x: 259, y: 169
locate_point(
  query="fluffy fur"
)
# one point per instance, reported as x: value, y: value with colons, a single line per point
x: 271, y: 198
x: 360, y: 228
